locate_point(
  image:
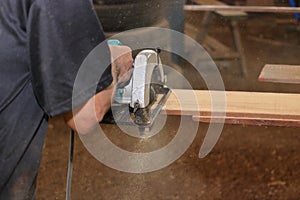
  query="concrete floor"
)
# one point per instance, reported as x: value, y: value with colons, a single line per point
x: 248, y: 162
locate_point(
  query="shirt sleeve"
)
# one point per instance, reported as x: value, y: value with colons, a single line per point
x: 61, y: 34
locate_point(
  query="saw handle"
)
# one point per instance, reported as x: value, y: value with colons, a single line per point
x: 114, y: 42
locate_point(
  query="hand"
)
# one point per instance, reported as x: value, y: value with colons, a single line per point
x: 122, y: 62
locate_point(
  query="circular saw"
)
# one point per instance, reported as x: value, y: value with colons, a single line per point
x: 140, y: 101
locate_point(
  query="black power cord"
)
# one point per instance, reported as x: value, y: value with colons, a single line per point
x: 70, y: 166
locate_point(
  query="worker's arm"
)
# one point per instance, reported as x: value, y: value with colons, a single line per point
x: 86, y: 120
x: 85, y: 115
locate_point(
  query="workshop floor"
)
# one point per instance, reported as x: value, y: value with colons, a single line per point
x: 248, y: 162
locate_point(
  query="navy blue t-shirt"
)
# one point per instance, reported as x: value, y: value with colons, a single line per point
x: 42, y: 45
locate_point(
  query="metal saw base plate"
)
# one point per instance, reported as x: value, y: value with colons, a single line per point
x: 121, y: 112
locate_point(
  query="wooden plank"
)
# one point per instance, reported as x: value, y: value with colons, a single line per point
x: 280, y: 74
x: 278, y: 109
x: 221, y: 13
x: 222, y: 8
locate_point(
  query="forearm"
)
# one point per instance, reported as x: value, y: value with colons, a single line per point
x: 85, y: 118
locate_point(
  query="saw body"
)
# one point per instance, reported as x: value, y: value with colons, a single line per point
x: 137, y: 103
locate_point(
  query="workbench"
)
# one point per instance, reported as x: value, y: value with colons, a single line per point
x: 217, y: 49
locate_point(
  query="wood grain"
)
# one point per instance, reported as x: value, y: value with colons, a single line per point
x: 280, y: 74
x: 252, y: 108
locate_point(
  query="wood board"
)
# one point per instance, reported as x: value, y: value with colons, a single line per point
x: 223, y: 8
x: 252, y: 108
x: 280, y: 74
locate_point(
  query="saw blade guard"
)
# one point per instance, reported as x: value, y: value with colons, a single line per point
x: 137, y: 103
x: 144, y: 65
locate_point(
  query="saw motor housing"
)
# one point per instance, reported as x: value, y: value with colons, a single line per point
x: 147, y: 80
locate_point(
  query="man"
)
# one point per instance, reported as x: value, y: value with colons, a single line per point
x: 42, y: 45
